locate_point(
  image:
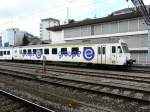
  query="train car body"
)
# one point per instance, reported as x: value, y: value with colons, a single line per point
x: 6, y: 53
x: 105, y: 54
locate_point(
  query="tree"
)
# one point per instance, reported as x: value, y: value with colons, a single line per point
x: 25, y: 40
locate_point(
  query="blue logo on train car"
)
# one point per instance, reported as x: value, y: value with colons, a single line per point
x: 38, y: 53
x: 88, y: 53
x: 69, y: 54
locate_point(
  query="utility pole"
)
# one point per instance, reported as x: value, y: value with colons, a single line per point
x: 139, y: 4
x: 68, y: 14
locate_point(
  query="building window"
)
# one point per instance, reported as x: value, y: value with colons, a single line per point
x: 54, y: 50
x: 92, y: 29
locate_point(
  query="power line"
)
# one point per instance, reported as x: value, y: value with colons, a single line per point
x: 41, y: 12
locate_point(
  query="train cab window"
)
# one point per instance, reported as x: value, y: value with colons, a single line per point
x: 1, y: 53
x: 29, y: 51
x: 54, y: 50
x: 34, y: 51
x: 125, y: 48
x: 104, y: 50
x: 46, y: 51
x: 4, y: 52
x: 99, y: 50
x: 119, y: 49
x: 63, y: 50
x: 24, y: 51
x: 74, y: 50
x: 8, y: 52
x: 113, y: 49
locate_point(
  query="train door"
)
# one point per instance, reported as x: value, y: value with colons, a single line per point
x: 119, y: 55
x: 102, y: 54
x: 15, y: 53
x: 113, y: 55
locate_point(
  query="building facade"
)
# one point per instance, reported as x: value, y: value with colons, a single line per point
x: 14, y: 37
x: 128, y: 26
x: 45, y: 35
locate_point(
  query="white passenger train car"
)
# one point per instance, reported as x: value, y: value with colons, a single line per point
x: 108, y: 53
x: 6, y: 53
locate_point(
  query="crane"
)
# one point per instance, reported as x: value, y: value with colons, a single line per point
x: 139, y: 4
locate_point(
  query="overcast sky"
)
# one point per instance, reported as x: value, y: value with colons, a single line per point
x: 26, y: 14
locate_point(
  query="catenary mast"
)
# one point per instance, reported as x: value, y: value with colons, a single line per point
x: 139, y: 4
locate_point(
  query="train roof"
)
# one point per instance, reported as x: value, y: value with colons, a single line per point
x: 102, y: 41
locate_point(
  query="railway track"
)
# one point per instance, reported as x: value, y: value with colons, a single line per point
x: 68, y: 101
x: 132, y: 92
x: 12, y: 103
x: 84, y: 72
x: 134, y: 68
x: 119, y: 90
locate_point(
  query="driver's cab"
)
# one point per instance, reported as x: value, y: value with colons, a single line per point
x: 127, y: 56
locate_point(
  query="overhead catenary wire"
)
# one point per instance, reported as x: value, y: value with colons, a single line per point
x: 41, y: 13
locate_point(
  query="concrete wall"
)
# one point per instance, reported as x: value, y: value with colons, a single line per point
x: 44, y: 33
x: 128, y: 25
x: 58, y: 37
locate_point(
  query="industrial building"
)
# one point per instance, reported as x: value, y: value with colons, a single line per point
x: 126, y: 24
x: 45, y: 35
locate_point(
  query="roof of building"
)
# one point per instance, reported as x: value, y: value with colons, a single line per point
x: 109, y: 18
x: 47, y: 19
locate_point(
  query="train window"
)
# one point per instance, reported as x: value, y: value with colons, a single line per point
x: 4, y: 52
x: 41, y: 51
x: 20, y: 51
x: 119, y: 49
x: 74, y: 50
x: 46, y: 51
x: 125, y: 49
x: 34, y: 51
x: 29, y: 51
x: 54, y: 50
x: 63, y: 50
x: 16, y: 51
x: 1, y: 53
x: 104, y: 50
x: 99, y: 50
x: 24, y: 51
x: 113, y: 49
x: 8, y: 52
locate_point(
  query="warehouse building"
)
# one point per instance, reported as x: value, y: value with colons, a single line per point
x: 126, y: 24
